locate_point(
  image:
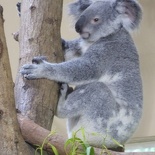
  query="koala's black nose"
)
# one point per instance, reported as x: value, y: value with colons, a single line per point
x: 79, y: 24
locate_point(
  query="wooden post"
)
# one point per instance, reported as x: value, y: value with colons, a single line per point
x: 11, y: 142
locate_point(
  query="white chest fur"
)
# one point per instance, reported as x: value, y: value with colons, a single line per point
x: 84, y: 46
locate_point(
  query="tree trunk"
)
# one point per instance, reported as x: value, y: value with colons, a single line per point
x: 11, y: 142
x: 39, y: 35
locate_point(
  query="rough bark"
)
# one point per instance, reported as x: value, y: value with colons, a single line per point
x: 35, y: 134
x: 11, y: 142
x: 39, y: 35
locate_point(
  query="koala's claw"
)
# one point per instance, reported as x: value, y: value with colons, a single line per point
x: 38, y: 60
x: 29, y: 71
x: 37, y: 70
x: 30, y: 77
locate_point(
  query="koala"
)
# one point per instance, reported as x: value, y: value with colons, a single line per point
x: 103, y: 64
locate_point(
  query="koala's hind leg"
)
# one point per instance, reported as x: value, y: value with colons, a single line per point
x: 65, y: 90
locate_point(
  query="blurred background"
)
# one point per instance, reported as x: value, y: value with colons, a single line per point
x: 144, y: 39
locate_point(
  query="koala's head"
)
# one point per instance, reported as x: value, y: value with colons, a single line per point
x: 106, y: 17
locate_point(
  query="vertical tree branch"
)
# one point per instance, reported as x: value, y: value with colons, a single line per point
x: 11, y: 142
x: 39, y: 35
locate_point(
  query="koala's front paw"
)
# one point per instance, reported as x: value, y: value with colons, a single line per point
x: 30, y: 71
x: 35, y: 70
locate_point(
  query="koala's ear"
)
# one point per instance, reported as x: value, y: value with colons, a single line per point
x: 76, y: 8
x: 130, y: 12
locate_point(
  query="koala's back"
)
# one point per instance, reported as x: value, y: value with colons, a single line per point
x: 102, y: 115
x: 110, y: 106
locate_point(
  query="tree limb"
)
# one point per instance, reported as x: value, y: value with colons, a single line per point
x: 35, y: 135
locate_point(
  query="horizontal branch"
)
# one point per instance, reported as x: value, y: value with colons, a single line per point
x: 35, y: 135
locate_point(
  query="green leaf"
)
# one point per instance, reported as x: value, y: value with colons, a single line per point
x: 54, y: 149
x: 90, y: 151
x: 37, y: 150
x: 68, y: 142
x: 116, y: 142
x: 83, y: 134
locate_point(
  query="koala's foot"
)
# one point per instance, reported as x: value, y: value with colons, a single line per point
x: 35, y: 70
x: 118, y: 149
x: 65, y: 90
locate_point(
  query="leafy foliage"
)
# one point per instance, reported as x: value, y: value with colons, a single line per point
x: 40, y: 148
x: 76, y: 146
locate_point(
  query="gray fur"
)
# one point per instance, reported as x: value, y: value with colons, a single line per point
x: 104, y: 66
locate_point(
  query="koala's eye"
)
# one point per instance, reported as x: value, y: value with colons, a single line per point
x: 96, y: 19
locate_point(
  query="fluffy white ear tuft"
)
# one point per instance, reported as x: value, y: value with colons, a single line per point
x: 77, y: 7
x: 130, y: 13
